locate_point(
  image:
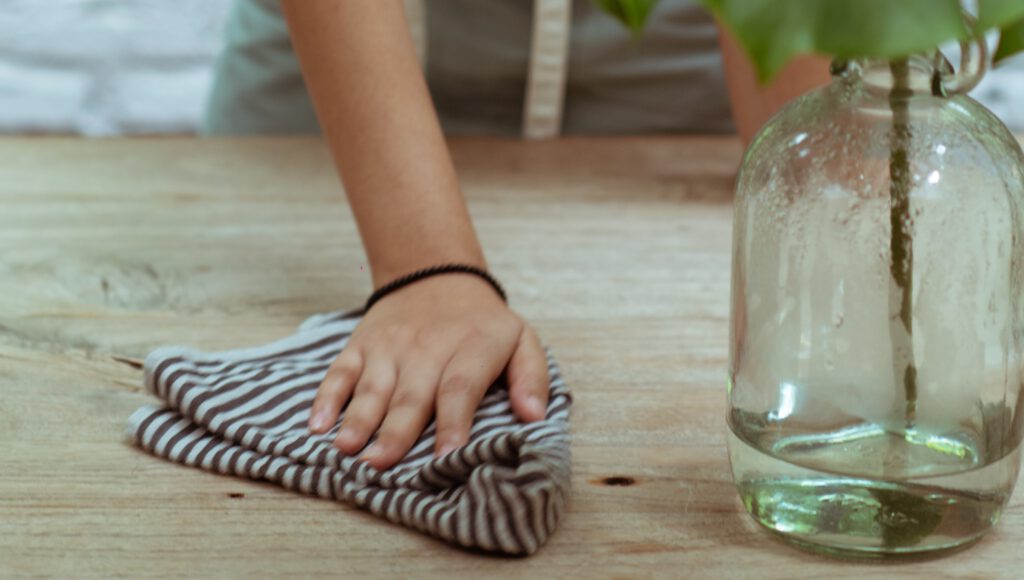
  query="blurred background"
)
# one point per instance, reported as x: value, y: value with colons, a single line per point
x: 107, y: 67
x: 114, y: 67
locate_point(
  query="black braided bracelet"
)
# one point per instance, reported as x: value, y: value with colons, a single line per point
x: 433, y: 271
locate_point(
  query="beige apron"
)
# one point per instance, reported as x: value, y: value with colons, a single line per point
x: 549, y: 51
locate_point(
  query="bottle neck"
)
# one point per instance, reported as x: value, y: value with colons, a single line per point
x: 915, y: 75
x: 927, y: 73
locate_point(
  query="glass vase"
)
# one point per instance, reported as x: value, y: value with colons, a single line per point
x: 875, y: 346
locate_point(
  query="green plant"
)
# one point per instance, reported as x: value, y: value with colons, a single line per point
x: 632, y: 13
x: 774, y: 31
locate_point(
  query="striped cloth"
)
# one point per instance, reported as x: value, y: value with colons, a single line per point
x: 244, y: 412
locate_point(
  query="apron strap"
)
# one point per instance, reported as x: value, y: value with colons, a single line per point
x: 416, y: 16
x: 549, y: 55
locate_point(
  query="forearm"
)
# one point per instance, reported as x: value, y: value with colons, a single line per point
x: 753, y: 104
x: 375, y: 110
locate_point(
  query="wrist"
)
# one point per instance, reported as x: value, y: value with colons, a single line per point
x: 436, y: 272
x: 387, y: 271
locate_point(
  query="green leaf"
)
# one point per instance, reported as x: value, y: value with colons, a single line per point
x: 774, y: 31
x: 995, y: 13
x: 1011, y: 41
x: 632, y: 13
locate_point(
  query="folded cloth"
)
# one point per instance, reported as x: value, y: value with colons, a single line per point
x: 244, y: 412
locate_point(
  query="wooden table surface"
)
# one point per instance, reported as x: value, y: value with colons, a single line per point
x: 617, y: 250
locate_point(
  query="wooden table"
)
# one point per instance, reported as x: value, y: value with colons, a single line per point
x: 616, y: 250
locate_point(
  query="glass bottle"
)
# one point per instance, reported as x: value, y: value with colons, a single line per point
x: 875, y: 347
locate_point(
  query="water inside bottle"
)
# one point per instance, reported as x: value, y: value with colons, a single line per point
x: 868, y: 489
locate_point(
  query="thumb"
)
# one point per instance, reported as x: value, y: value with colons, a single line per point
x: 528, y: 378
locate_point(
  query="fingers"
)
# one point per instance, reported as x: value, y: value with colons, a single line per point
x: 335, y: 389
x: 528, y: 380
x: 463, y: 383
x: 398, y: 384
x: 409, y: 411
x: 369, y: 401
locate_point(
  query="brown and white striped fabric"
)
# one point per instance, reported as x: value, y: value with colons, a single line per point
x: 244, y: 413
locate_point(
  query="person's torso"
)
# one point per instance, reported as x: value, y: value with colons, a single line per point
x: 667, y: 79
x: 478, y: 58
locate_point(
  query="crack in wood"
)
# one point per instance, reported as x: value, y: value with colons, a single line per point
x: 132, y: 362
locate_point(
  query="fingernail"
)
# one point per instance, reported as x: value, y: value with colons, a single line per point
x: 319, y: 421
x: 534, y: 406
x: 446, y: 449
x: 343, y: 437
x: 372, y: 452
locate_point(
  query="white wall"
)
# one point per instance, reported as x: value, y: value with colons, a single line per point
x: 106, y: 67
x: 1002, y: 90
x: 103, y: 67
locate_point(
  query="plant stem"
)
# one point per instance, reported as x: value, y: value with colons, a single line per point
x: 901, y: 325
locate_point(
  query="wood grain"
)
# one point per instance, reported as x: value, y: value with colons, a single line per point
x: 617, y: 250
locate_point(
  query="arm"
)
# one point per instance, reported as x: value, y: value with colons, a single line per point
x: 753, y: 104
x: 440, y: 342
x: 373, y: 105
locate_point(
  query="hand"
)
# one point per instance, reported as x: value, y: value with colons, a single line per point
x: 433, y: 347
